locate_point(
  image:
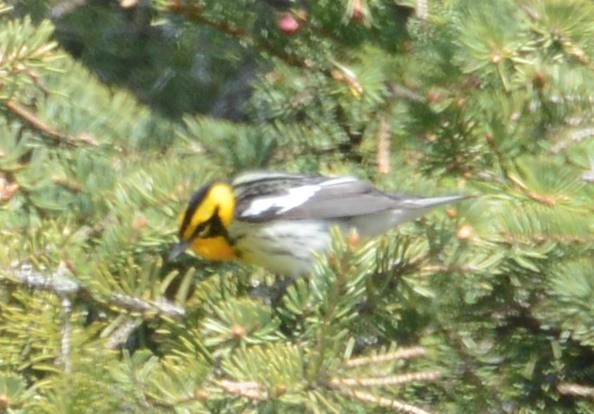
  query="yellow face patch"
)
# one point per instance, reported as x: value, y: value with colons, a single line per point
x: 206, y: 220
x: 219, y: 199
x: 214, y: 248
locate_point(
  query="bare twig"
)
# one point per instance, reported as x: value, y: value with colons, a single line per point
x: 134, y: 304
x: 399, y: 91
x: 588, y: 176
x: 422, y: 9
x: 59, y: 283
x: 121, y: 335
x: 34, y: 122
x: 66, y: 287
x: 576, y: 390
x: 194, y: 13
x: 401, y: 354
x: 383, y: 146
x: 251, y: 389
x: 385, y: 402
x: 383, y: 381
x: 573, y: 138
x: 66, y: 345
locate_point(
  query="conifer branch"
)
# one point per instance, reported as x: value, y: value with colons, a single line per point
x: 433, y: 268
x: 145, y: 307
x: 58, y: 284
x: 122, y: 333
x: 385, y: 402
x: 573, y: 138
x: 195, y: 14
x: 66, y: 344
x: 422, y: 9
x: 401, y: 354
x: 384, y: 150
x: 62, y: 285
x: 501, y: 159
x: 576, y: 390
x: 525, y: 239
x: 384, y: 381
x: 588, y: 176
x: 249, y: 389
x: 34, y: 122
x: 8, y: 188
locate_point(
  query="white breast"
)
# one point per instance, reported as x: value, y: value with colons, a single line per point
x: 284, y: 247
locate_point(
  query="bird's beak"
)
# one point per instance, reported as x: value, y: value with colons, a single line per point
x: 178, y: 249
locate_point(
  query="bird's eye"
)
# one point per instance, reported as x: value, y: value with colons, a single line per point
x: 208, y: 228
x: 201, y: 231
x: 204, y: 230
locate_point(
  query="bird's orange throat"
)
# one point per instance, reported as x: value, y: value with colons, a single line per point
x: 215, y: 248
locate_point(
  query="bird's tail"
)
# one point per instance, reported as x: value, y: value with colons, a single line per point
x: 405, y: 210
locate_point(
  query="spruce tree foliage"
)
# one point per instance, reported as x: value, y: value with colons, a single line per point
x: 486, y: 306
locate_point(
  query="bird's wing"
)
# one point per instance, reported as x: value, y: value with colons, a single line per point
x: 292, y: 197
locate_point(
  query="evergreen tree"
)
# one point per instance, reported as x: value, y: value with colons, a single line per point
x: 114, y: 112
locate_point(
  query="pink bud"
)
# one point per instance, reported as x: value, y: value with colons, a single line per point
x: 288, y: 23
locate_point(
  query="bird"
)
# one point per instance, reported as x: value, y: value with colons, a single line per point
x: 282, y: 221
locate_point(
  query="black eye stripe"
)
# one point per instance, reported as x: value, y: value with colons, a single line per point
x: 197, y: 198
x: 213, y: 224
x: 216, y: 226
x: 199, y: 228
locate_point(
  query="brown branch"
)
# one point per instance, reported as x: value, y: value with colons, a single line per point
x: 251, y: 390
x: 37, y: 124
x: 383, y: 146
x: 385, y: 402
x: 401, y: 354
x: 194, y: 13
x: 384, y: 381
x: 526, y: 239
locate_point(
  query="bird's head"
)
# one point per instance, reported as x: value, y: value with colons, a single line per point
x: 206, y: 221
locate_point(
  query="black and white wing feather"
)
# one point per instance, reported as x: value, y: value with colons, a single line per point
x: 264, y: 196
